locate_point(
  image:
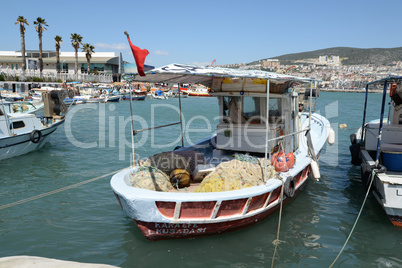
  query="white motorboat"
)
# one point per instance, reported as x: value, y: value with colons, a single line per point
x: 377, y: 148
x: 26, y: 107
x: 158, y: 95
x: 21, y: 133
x: 261, y: 157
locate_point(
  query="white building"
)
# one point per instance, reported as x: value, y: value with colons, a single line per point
x: 105, y: 63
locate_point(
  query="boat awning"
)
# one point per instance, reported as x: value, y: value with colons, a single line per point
x: 389, y: 80
x: 188, y: 74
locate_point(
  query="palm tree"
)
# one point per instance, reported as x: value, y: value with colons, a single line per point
x: 58, y: 45
x: 22, y: 21
x: 88, y: 49
x: 76, y: 40
x: 41, y: 23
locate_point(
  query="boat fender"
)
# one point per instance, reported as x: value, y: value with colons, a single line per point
x: 366, y: 170
x: 355, y: 153
x: 331, y: 136
x: 381, y: 169
x: 289, y: 187
x: 35, y: 136
x: 353, y: 138
x: 315, y: 170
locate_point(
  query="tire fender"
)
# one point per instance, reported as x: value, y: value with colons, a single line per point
x: 289, y: 187
x: 35, y: 136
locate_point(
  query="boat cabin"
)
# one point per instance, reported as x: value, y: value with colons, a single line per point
x: 243, y: 116
x: 382, y: 139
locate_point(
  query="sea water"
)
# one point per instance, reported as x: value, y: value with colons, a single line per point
x: 86, y: 224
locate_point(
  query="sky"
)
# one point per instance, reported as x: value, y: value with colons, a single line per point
x: 198, y: 32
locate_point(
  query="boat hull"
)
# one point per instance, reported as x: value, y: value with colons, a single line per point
x: 135, y: 98
x: 188, y: 218
x: 198, y: 94
x: 22, y: 144
x: 386, y: 188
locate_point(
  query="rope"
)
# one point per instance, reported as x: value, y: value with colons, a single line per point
x: 56, y: 191
x: 358, y: 216
x: 277, y: 241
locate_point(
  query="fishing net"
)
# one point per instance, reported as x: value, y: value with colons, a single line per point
x: 242, y: 172
x: 150, y: 178
x: 194, y: 158
x: 167, y: 162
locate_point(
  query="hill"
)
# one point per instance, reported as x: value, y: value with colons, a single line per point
x: 349, y: 55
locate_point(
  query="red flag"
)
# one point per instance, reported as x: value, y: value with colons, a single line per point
x: 139, y: 56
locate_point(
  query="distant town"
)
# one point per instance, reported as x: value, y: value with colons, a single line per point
x: 329, y: 70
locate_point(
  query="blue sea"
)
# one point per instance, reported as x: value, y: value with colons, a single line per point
x: 85, y: 223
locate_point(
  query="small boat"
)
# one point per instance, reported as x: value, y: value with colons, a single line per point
x: 134, y: 97
x: 75, y: 100
x: 174, y: 93
x: 199, y: 91
x: 261, y: 157
x: 158, y: 95
x: 113, y: 98
x: 25, y: 107
x: 94, y: 99
x: 21, y: 133
x: 11, y: 96
x: 377, y: 148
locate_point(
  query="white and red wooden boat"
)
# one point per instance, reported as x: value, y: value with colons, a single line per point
x: 198, y: 91
x: 182, y: 214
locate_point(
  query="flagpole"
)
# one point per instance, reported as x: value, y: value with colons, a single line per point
x: 132, y: 122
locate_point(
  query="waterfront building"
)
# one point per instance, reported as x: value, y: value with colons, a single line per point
x: 102, y: 63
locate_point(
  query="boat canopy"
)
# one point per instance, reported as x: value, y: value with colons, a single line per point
x: 389, y: 79
x: 187, y: 74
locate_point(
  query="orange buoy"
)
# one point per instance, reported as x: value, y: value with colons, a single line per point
x: 283, y: 162
x: 180, y: 178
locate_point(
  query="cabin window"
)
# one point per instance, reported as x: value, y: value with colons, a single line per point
x: 17, y: 124
x: 251, y: 109
x: 275, y: 111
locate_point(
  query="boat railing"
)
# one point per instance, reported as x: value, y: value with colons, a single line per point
x: 289, y: 135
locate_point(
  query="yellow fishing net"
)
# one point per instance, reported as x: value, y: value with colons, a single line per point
x: 151, y: 178
x: 242, y: 172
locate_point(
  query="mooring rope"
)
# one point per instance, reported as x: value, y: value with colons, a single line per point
x: 357, y: 218
x: 56, y: 191
x: 277, y: 241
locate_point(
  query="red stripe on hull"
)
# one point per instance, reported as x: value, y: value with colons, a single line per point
x: 396, y: 220
x: 159, y: 231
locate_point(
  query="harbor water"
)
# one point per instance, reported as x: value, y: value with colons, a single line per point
x: 85, y: 223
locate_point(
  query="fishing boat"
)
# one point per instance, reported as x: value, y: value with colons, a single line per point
x: 26, y: 107
x: 134, y: 97
x: 95, y: 99
x: 261, y: 157
x: 21, y: 133
x: 158, y: 95
x: 174, y: 93
x: 377, y: 148
x: 198, y: 91
x: 75, y: 100
x: 113, y: 98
